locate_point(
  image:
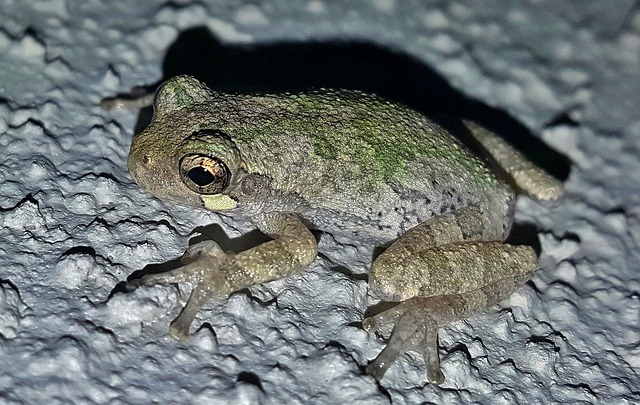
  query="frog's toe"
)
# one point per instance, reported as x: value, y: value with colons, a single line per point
x: 414, y: 330
x: 399, y: 343
x: 370, y: 325
x: 200, y: 295
x: 191, y: 272
x: 374, y: 323
x: 132, y: 285
x: 435, y: 375
x: 147, y: 279
x: 207, y: 248
x: 179, y: 330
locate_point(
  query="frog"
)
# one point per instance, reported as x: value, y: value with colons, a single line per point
x: 347, y: 163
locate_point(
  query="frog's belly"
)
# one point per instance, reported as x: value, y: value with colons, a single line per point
x: 384, y: 220
x: 383, y: 217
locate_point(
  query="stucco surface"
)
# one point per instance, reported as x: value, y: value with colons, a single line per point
x: 74, y: 224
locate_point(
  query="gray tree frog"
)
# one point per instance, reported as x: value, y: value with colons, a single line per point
x: 347, y: 163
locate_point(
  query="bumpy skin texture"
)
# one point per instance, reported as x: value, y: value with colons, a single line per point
x: 346, y: 163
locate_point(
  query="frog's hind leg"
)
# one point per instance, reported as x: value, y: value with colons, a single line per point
x: 450, y: 254
x: 443, y: 270
x: 524, y: 174
x: 416, y: 322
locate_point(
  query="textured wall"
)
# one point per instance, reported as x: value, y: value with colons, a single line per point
x: 74, y: 224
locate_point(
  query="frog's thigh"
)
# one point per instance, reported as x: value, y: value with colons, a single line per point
x: 451, y: 254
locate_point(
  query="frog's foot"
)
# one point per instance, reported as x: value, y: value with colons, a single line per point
x: 206, y: 251
x: 202, y: 264
x: 415, y: 328
x: 219, y: 274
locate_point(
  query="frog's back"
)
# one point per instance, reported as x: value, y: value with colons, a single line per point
x: 362, y: 162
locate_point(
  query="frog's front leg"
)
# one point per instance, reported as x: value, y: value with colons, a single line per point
x: 442, y: 270
x: 218, y: 274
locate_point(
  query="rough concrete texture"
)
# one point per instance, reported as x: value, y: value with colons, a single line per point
x: 74, y: 224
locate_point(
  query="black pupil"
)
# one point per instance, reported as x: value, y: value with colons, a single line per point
x: 201, y: 176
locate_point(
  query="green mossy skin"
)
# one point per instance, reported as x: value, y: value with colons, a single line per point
x: 341, y: 151
x: 351, y: 129
x: 179, y: 93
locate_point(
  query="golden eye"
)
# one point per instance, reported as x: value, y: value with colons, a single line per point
x: 204, y: 174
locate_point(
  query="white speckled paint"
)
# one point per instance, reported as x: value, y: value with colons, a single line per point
x: 73, y: 223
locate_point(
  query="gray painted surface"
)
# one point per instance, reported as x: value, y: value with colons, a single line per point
x: 74, y: 224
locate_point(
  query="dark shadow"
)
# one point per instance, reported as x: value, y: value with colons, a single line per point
x: 524, y: 234
x: 79, y: 250
x: 246, y: 241
x: 216, y: 233
x: 293, y: 67
x: 378, y: 308
x: 348, y: 273
x: 251, y: 378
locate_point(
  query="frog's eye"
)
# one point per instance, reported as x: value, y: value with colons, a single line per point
x: 204, y: 174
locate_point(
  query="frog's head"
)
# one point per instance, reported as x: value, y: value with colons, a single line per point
x: 177, y: 157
